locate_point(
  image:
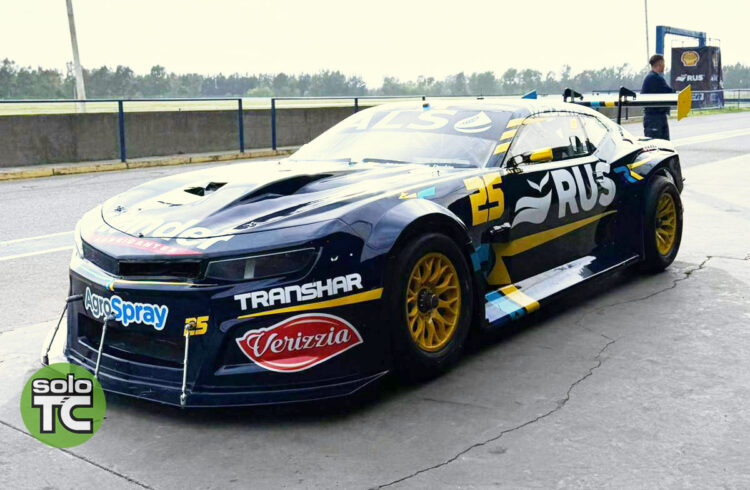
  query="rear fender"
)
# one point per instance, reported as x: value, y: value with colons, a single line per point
x: 662, y: 164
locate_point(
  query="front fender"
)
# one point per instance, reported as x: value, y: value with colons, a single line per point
x: 387, y: 230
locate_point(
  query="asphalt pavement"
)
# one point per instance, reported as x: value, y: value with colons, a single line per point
x: 631, y: 382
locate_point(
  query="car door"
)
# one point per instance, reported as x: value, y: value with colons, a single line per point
x: 620, y: 238
x: 556, y: 194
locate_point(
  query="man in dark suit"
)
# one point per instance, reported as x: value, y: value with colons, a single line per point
x: 655, y: 118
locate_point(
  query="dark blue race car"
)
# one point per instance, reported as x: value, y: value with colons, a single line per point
x: 377, y: 247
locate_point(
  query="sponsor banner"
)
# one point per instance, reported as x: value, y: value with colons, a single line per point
x: 479, y: 124
x: 139, y: 244
x: 299, y: 343
x: 701, y: 69
x: 125, y: 312
x: 153, y: 231
x: 573, y: 194
x: 299, y: 292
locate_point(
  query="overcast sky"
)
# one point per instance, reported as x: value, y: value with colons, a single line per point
x: 402, y: 38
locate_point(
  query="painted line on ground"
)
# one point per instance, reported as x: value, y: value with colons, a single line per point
x: 7, y: 242
x: 38, y: 252
x: 704, y: 138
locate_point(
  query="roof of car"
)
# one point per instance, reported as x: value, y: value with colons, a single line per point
x: 518, y: 106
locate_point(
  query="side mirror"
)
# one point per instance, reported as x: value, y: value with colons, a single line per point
x: 537, y: 156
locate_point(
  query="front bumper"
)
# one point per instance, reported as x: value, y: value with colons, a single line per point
x: 145, y: 360
x: 161, y: 391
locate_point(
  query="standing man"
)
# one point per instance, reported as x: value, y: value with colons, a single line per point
x: 655, y: 118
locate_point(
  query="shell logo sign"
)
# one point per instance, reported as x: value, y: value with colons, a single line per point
x: 690, y: 58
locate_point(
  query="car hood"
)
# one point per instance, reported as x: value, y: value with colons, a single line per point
x: 247, y: 197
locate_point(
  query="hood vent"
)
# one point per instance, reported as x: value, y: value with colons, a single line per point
x: 285, y: 187
x: 202, y: 191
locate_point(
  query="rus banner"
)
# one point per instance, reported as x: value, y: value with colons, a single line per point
x: 701, y: 69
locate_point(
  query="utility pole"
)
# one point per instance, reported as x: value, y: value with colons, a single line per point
x: 80, y: 89
x: 645, y: 6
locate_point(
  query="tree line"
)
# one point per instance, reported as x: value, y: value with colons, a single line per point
x: 20, y: 82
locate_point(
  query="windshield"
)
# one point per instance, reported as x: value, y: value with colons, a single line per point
x: 447, y: 136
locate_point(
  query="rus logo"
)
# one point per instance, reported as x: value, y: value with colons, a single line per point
x: 573, y: 193
x: 299, y: 342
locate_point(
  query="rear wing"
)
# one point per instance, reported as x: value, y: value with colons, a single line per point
x: 683, y: 100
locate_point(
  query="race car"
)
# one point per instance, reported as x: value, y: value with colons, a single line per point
x: 375, y: 248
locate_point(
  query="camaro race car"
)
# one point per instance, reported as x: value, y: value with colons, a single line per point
x: 374, y: 248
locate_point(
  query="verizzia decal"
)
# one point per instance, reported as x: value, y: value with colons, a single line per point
x: 297, y: 293
x: 126, y: 312
x: 299, y: 342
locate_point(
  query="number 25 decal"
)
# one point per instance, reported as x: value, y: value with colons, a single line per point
x: 201, y: 324
x: 487, y: 199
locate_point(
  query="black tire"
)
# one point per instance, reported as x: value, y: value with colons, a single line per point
x: 656, y: 260
x: 412, y: 363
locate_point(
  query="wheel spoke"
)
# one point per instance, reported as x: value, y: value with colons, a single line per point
x: 430, y: 333
x: 439, y: 326
x: 439, y: 271
x: 447, y: 304
x: 412, y: 324
x: 420, y: 328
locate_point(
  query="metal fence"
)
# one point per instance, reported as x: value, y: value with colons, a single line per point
x: 731, y: 98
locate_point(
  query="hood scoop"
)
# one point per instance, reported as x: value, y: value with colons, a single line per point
x: 190, y: 195
x: 202, y: 191
x: 281, y: 188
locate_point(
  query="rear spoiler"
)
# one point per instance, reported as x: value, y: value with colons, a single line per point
x: 683, y: 100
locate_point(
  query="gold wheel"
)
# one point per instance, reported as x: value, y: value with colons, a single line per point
x: 666, y: 223
x: 433, y: 302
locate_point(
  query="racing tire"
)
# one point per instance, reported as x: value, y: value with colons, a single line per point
x: 662, y: 224
x: 429, y: 306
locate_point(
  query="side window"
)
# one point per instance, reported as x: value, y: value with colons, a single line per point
x: 549, y: 137
x: 595, y: 130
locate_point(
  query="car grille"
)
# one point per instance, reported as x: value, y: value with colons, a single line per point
x: 128, y: 344
x: 184, y: 269
x: 100, y: 259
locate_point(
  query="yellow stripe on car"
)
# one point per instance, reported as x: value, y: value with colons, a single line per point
x: 520, y: 298
x: 124, y: 282
x: 331, y: 303
x: 508, y: 134
x: 637, y: 164
x: 499, y: 273
x: 502, y: 148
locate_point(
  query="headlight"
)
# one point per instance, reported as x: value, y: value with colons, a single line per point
x: 77, y: 240
x: 260, y: 266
